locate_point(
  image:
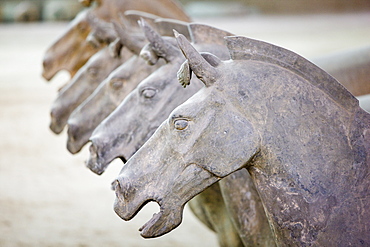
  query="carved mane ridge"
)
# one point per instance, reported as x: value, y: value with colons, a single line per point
x: 243, y: 48
x: 201, y: 33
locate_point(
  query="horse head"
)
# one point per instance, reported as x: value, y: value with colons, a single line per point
x: 189, y: 160
x: 64, y: 53
x: 82, y: 85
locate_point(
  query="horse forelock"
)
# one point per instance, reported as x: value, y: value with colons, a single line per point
x: 243, y: 48
x: 204, y: 34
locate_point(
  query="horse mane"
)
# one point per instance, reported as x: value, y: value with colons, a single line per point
x: 204, y: 34
x: 165, y: 27
x: 243, y: 48
x: 133, y: 16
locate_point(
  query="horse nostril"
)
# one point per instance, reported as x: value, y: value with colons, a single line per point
x: 121, y: 186
x: 52, y: 114
x: 115, y: 185
x: 46, y: 63
x: 93, y: 151
x: 56, y: 121
x: 55, y: 113
x: 73, y: 131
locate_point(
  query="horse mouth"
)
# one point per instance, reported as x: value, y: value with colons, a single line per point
x: 163, y: 222
x: 73, y: 146
x: 78, y: 136
x: 55, y: 126
x: 147, y: 229
x: 96, y: 161
x: 167, y: 219
x: 49, y: 69
x: 48, y: 74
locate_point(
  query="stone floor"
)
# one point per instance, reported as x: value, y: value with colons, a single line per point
x: 47, y: 196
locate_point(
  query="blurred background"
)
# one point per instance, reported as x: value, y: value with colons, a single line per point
x: 47, y: 195
x: 62, y: 10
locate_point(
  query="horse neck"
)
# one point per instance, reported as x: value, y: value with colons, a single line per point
x: 307, y: 185
x: 308, y: 160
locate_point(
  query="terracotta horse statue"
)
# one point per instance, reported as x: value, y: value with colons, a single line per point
x: 71, y: 50
x: 142, y: 111
x: 300, y: 134
x: 86, y: 80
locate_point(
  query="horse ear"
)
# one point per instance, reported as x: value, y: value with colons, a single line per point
x: 204, y: 70
x: 159, y: 45
x: 149, y: 55
x: 115, y: 48
x: 185, y: 72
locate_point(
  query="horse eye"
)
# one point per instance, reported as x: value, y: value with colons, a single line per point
x: 116, y: 84
x: 149, y: 93
x: 181, y: 124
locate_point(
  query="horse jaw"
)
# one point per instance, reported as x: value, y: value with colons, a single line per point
x: 163, y: 222
x: 127, y: 206
x: 133, y: 193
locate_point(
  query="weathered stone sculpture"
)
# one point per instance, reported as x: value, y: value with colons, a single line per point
x: 61, y: 56
x: 72, y: 50
x: 299, y: 133
x: 139, y: 115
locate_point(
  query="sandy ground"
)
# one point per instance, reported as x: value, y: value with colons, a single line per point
x: 47, y: 196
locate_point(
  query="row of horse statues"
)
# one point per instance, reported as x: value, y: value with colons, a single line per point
x: 268, y: 148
